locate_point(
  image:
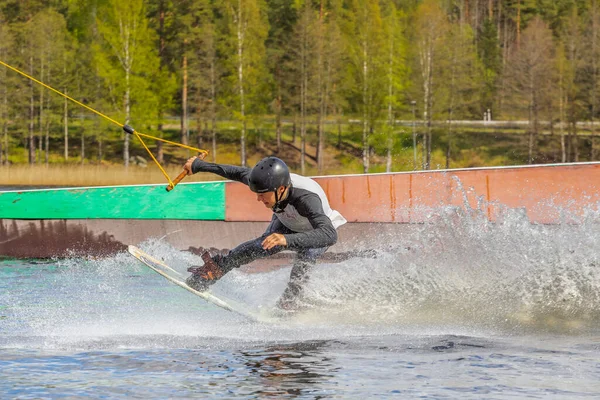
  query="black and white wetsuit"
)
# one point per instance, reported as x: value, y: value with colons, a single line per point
x: 304, y: 218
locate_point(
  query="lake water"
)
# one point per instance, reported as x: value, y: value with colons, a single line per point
x: 460, y: 308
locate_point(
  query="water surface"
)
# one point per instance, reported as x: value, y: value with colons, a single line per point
x: 460, y: 308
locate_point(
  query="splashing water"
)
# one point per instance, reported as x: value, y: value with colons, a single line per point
x: 460, y: 268
x: 457, y: 272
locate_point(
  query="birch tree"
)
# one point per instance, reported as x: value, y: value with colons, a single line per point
x: 368, y: 55
x: 49, y: 32
x: 127, y: 60
x: 6, y: 42
x: 248, y: 28
x: 304, y: 51
x: 396, y: 73
x: 431, y: 27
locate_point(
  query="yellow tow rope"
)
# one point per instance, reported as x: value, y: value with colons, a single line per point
x: 128, y: 129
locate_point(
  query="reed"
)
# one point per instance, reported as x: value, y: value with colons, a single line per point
x: 89, y: 175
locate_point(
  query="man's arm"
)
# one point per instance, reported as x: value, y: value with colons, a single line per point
x: 323, y: 234
x: 232, y: 172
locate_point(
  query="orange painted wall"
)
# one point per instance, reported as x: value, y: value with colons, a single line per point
x: 408, y: 197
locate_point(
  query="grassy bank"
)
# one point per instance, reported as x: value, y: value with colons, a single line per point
x: 89, y: 175
x: 469, y: 147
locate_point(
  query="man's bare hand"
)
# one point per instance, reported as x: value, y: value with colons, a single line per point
x: 188, y: 165
x: 274, y: 239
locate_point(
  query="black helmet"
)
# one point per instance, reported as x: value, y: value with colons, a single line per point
x: 268, y: 175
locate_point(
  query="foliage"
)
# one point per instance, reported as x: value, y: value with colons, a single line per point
x: 337, y: 74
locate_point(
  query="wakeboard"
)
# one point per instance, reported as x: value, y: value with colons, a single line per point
x: 178, y: 279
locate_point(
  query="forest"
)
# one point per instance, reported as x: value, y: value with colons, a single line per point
x: 380, y: 85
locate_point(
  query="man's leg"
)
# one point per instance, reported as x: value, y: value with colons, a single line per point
x: 243, y: 254
x: 305, y: 260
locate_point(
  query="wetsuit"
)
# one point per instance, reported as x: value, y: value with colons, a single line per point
x: 304, y: 218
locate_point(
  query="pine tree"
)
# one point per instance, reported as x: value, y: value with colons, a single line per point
x: 206, y: 69
x: 491, y: 58
x: 461, y: 79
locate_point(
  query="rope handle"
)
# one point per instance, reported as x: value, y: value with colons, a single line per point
x: 182, y: 175
x: 179, y: 178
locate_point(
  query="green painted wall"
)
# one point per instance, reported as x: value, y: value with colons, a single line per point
x: 205, y: 201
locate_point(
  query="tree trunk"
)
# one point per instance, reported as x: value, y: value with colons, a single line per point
x: 6, y: 152
x: 66, y: 116
x: 47, y: 129
x: 569, y: 141
x: 320, y: 91
x: 294, y: 129
x: 278, y: 119
x: 518, y: 23
x: 31, y: 115
x: 260, y: 136
x: 389, y: 141
x: 199, y: 123
x: 561, y: 111
x: 127, y: 119
x: 303, y: 121
x: 531, y: 133
x: 5, y: 127
x: 82, y: 139
x: 427, y: 68
x: 575, y: 141
x: 66, y: 127
x: 303, y: 96
x: 339, y: 124
x: 240, y: 49
x: 365, y: 88
x: 213, y: 108
x: 595, y: 56
x: 184, y: 97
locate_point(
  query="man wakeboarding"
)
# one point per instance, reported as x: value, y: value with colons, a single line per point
x: 302, y: 222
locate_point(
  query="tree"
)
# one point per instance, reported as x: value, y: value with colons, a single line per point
x: 532, y: 77
x: 591, y: 69
x: 303, y: 49
x: 206, y: 70
x: 248, y: 28
x: 50, y: 37
x: 5, y: 47
x: 368, y: 55
x: 396, y: 72
x: 127, y: 60
x: 461, y: 77
x: 431, y: 27
x: 282, y: 18
x: 491, y: 57
x: 164, y: 19
x: 574, y: 89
